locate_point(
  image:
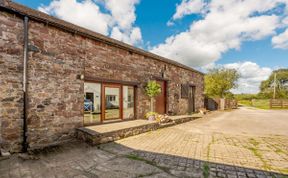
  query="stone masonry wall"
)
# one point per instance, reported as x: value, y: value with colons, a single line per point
x: 113, y: 63
x: 11, y: 69
x: 55, y: 92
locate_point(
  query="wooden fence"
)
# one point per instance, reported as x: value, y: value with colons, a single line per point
x: 278, y: 103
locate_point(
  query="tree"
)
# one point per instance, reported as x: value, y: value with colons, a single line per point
x: 152, y: 89
x: 281, y: 85
x: 219, y: 81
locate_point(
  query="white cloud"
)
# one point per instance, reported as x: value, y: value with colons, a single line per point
x: 285, y: 21
x: 131, y: 37
x: 251, y: 76
x: 281, y: 40
x: 118, y: 21
x: 85, y: 13
x: 187, y: 7
x: 122, y: 11
x: 225, y: 25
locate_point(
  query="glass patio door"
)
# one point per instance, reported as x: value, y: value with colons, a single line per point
x: 112, y: 102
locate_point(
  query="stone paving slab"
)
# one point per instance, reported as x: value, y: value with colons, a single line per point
x: 113, y: 160
x: 177, y: 151
x: 269, y: 153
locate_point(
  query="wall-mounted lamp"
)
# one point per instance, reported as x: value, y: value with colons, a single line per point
x: 80, y: 76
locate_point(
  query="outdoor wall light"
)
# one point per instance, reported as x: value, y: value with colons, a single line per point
x: 81, y: 77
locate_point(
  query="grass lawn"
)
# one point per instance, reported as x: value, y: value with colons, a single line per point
x: 259, y: 103
x: 245, y: 102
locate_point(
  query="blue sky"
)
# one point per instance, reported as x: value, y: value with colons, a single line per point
x: 144, y: 23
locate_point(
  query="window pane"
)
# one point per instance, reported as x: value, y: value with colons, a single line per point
x: 112, y: 106
x: 92, y: 103
x: 128, y: 102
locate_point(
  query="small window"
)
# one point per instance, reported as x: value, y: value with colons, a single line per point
x: 184, y: 90
x: 110, y: 98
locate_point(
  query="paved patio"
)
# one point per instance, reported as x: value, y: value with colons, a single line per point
x: 245, y: 137
x: 218, y: 145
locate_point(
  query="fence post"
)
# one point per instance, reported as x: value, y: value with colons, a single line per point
x: 270, y: 103
x: 222, y: 104
x: 282, y: 106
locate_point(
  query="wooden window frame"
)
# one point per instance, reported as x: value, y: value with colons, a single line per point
x: 184, y: 91
x: 107, y: 82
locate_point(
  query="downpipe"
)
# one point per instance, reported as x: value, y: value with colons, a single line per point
x: 25, y: 85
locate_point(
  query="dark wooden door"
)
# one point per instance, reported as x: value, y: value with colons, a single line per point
x: 191, y: 99
x: 160, y: 103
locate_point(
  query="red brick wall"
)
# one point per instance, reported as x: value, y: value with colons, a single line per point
x: 55, y: 94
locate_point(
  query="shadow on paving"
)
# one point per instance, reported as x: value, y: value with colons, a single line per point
x: 78, y: 159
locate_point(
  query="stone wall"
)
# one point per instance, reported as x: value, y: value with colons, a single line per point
x: 113, y: 63
x: 55, y: 92
x: 213, y: 104
x: 11, y: 69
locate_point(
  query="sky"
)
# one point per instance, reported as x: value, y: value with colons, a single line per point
x: 250, y: 36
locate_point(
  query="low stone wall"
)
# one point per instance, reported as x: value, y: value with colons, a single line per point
x: 94, y: 138
x: 213, y: 104
x: 230, y: 104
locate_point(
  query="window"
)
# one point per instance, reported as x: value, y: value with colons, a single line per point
x: 128, y: 102
x: 92, y: 103
x: 110, y: 98
x: 103, y: 101
x: 184, y: 90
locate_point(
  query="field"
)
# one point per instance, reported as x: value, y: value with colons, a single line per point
x: 257, y: 103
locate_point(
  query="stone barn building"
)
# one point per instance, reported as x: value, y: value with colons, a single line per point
x: 56, y: 77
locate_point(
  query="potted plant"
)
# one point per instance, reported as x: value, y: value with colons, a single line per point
x: 151, y: 116
x: 152, y: 89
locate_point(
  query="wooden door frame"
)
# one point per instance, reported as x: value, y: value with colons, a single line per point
x: 103, y: 100
x: 192, y: 89
x: 107, y: 82
x: 165, y: 81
